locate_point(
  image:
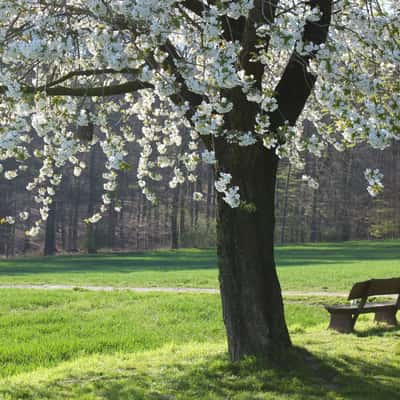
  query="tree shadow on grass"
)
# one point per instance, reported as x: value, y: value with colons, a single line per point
x: 296, y: 375
x: 111, y: 263
x: 186, y: 259
x: 378, y: 330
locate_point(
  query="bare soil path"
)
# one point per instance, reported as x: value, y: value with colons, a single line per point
x: 158, y: 289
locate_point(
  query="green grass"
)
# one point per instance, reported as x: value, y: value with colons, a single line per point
x: 90, y: 345
x: 307, y: 267
x: 66, y: 344
x: 42, y: 328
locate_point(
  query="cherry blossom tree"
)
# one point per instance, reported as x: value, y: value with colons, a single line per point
x: 229, y: 83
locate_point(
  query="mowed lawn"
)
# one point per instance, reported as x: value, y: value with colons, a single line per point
x: 79, y: 344
x: 305, y: 267
x: 159, y: 346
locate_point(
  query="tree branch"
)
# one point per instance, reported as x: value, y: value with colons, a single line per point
x: 88, y: 72
x: 297, y: 82
x: 123, y: 88
x: 194, y: 6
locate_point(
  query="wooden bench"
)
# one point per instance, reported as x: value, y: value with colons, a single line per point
x: 344, y: 316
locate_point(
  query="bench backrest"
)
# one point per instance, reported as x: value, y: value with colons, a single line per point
x: 375, y: 287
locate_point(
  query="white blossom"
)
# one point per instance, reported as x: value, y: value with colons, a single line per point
x: 10, y: 174
x: 208, y: 157
x: 23, y: 215
x: 10, y: 220
x: 311, y: 182
x: 197, y: 196
x: 34, y: 231
x: 352, y: 103
x: 374, y: 179
x: 95, y: 218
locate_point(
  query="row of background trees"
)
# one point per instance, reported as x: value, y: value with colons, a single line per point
x: 341, y: 209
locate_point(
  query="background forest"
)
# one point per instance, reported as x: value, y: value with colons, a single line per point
x: 341, y: 209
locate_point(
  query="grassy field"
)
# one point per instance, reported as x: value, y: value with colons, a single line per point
x: 91, y: 345
x: 76, y: 344
x: 322, y: 266
x: 42, y: 328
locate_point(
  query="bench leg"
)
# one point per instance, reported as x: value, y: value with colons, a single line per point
x: 386, y: 316
x: 341, y: 322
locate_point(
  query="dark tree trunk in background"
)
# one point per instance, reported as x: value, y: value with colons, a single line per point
x: 285, y: 206
x: 192, y: 205
x: 314, y: 214
x: 73, y: 245
x: 198, y: 188
x: 251, y: 294
x: 90, y: 229
x: 112, y: 217
x: 174, y: 219
x: 157, y: 225
x: 345, y: 233
x: 210, y: 202
x: 50, y: 234
x: 139, y: 219
x: 143, y: 224
x: 182, y: 215
x: 314, y: 218
x: 120, y: 223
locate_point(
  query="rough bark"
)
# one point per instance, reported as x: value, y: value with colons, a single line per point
x: 314, y: 234
x: 73, y: 245
x: 199, y: 188
x: 50, y: 234
x: 345, y: 233
x: 210, y: 197
x: 174, y: 219
x: 251, y: 294
x: 90, y: 231
x: 285, y: 205
x: 182, y: 215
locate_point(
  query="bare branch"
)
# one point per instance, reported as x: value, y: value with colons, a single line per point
x: 297, y: 82
x: 90, y: 72
x: 123, y: 88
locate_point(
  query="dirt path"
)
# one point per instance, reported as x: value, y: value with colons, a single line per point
x: 158, y: 289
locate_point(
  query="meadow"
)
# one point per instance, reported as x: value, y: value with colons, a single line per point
x: 305, y: 267
x: 79, y: 344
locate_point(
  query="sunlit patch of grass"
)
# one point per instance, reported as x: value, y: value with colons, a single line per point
x: 329, y: 366
x: 124, y: 345
x: 43, y: 328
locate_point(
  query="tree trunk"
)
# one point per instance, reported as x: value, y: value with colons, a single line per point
x: 346, y: 205
x: 314, y: 234
x: 174, y: 219
x: 50, y: 234
x: 285, y: 205
x: 111, y: 226
x: 251, y: 295
x: 209, y: 196
x: 75, y: 217
x: 90, y: 229
x: 198, y: 187
x: 182, y: 215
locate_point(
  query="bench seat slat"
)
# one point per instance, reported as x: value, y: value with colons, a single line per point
x: 369, y: 307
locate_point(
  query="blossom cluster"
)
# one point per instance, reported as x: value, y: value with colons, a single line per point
x: 68, y: 67
x: 374, y: 179
x: 231, y: 194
